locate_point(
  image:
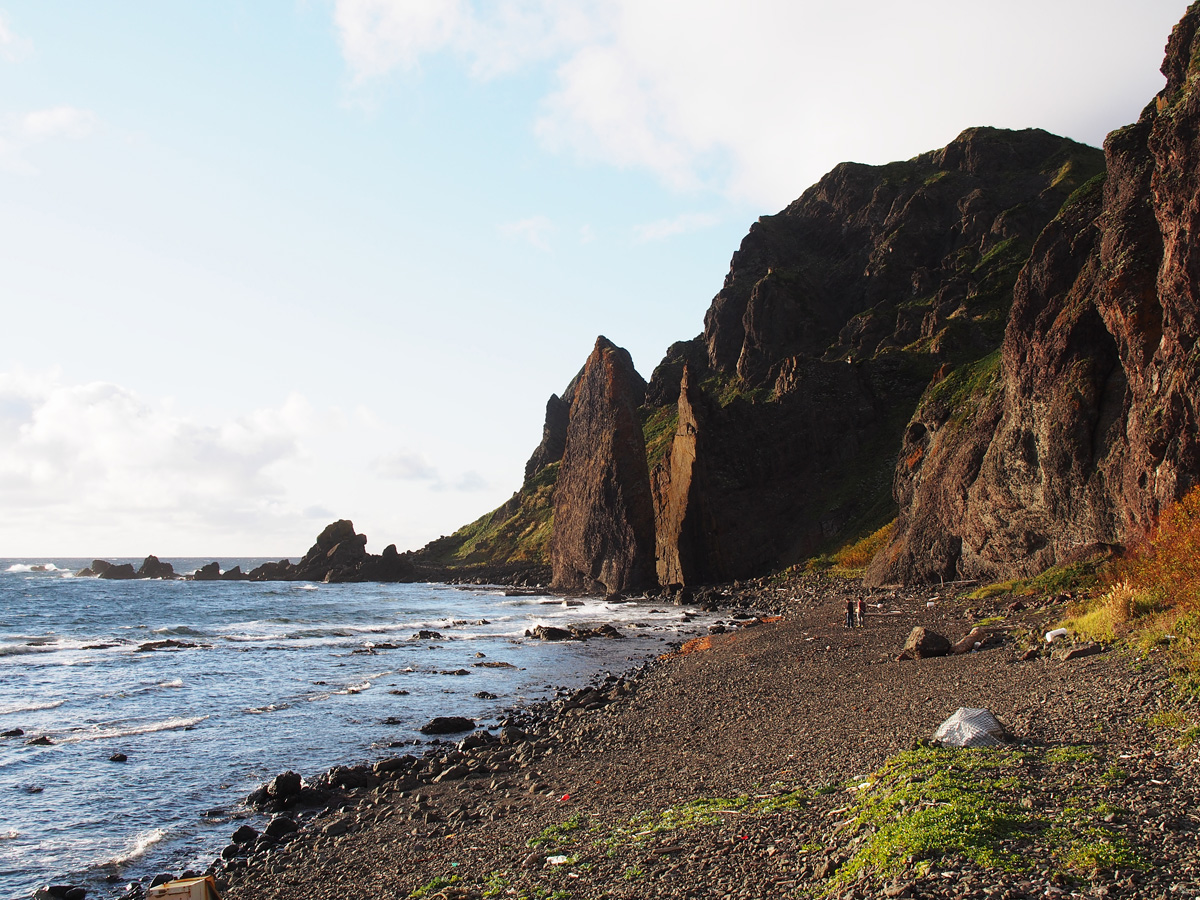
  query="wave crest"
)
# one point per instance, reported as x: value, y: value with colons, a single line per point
x: 137, y: 847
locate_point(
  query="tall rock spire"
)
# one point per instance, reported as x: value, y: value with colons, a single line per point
x: 603, y: 511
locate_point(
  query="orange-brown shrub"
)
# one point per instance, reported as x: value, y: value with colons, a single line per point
x: 1167, y: 564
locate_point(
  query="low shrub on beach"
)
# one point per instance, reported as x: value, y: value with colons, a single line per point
x: 1153, y: 593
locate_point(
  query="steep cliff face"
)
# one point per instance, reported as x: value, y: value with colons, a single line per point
x: 835, y: 316
x: 687, y: 545
x: 1089, y: 425
x: 877, y: 257
x: 603, y: 512
x: 772, y: 435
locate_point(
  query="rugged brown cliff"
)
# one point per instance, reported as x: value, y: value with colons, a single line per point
x: 1087, y: 424
x: 603, y: 513
x: 773, y: 435
x: 834, y: 318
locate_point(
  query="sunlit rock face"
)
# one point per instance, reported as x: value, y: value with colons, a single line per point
x: 603, y: 513
x: 1089, y: 427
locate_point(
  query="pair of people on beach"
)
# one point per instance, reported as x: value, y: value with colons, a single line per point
x: 855, y: 612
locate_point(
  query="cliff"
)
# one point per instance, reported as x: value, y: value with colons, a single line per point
x: 992, y: 343
x: 1085, y: 426
x: 603, y: 512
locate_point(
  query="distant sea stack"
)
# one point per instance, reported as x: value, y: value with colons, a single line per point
x: 339, y: 555
x: 992, y: 344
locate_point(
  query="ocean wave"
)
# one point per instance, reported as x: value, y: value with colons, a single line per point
x: 137, y: 847
x: 270, y: 707
x: 23, y: 649
x: 107, y: 733
x: 11, y: 835
x: 30, y: 707
x: 179, y: 630
x: 354, y: 688
x: 34, y: 567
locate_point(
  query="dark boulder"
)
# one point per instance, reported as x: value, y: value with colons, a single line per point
x: 123, y: 572
x: 210, y: 572
x: 152, y: 567
x: 550, y: 633
x: 285, y: 785
x: 234, y: 574
x: 281, y: 825
x: 447, y: 725
x: 923, y: 643
x: 245, y: 835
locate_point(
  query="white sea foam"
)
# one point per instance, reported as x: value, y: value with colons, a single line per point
x: 11, y: 835
x: 22, y: 649
x: 354, y: 688
x: 270, y: 707
x: 34, y: 567
x: 137, y: 847
x: 101, y: 732
x: 30, y: 707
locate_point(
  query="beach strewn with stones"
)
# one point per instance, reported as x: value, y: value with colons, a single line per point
x: 787, y: 756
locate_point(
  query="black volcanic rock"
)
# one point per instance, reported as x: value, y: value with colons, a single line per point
x: 339, y: 555
x: 123, y: 572
x: 210, y: 572
x: 153, y: 568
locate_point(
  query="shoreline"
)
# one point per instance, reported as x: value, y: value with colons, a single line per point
x: 345, y: 780
x: 717, y: 771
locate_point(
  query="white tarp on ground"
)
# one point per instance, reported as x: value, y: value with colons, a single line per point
x: 970, y: 728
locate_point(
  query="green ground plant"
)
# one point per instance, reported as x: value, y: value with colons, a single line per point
x: 561, y: 834
x: 934, y: 803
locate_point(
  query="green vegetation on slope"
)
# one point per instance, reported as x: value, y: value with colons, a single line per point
x: 517, y: 532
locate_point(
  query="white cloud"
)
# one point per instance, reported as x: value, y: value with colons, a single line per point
x: 535, y: 231
x: 758, y: 98
x: 59, y: 121
x: 13, y: 47
x: 681, y: 224
x: 74, y: 455
x: 405, y: 465
x: 378, y: 36
x: 21, y: 133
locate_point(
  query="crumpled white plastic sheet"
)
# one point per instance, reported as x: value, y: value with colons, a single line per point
x: 970, y: 728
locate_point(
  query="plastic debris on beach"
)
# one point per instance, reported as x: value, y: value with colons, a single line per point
x: 971, y: 728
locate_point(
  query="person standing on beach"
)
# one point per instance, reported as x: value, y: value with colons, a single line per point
x: 849, y: 612
x: 860, y: 612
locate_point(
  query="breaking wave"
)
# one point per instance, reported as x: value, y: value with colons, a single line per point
x: 103, y: 733
x: 30, y: 707
x: 137, y: 847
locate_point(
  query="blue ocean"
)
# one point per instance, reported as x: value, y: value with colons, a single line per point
x: 210, y: 688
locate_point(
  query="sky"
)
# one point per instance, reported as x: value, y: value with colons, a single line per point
x: 269, y: 263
